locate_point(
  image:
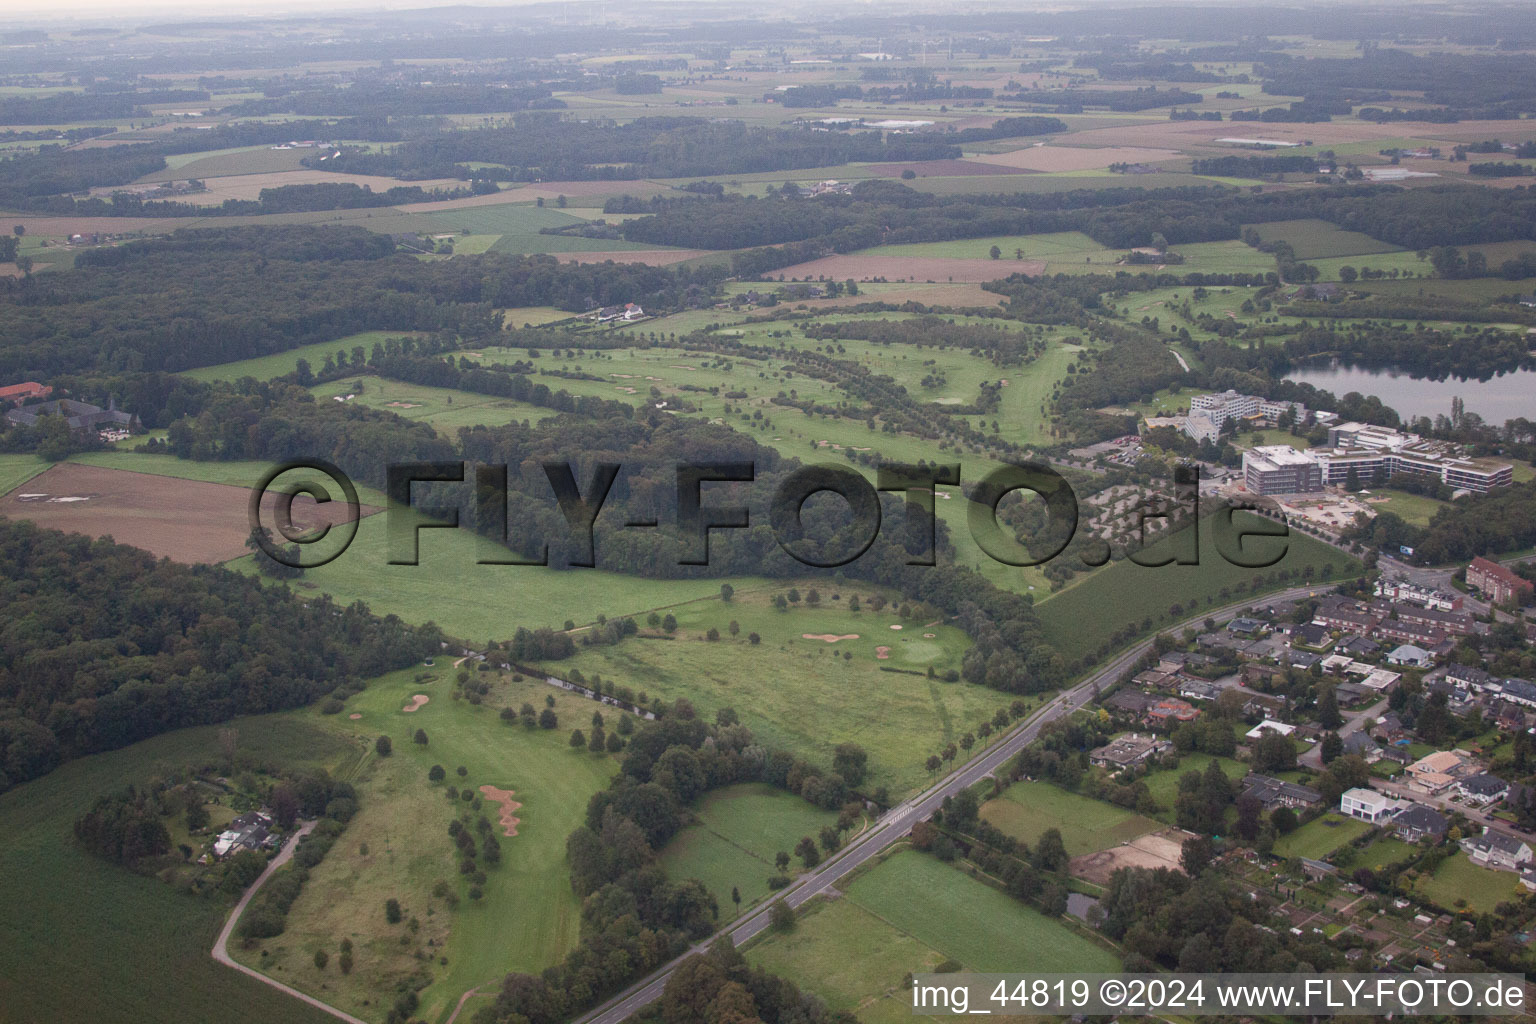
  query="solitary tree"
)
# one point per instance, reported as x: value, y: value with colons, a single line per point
x: 392, y: 910
x: 383, y: 746
x: 781, y: 916
x: 420, y: 737
x: 781, y: 860
x: 436, y: 773
x: 322, y: 958
x: 577, y: 739
x: 806, y: 850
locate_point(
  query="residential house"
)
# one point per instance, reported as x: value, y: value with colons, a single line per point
x: 1482, y: 788
x: 1245, y: 626
x: 1380, y: 680
x: 1410, y: 655
x: 79, y: 416
x: 1155, y: 679
x: 1199, y: 689
x: 250, y: 831
x: 1300, y: 659
x: 1416, y: 821
x: 1170, y: 710
x: 1269, y: 725
x: 1368, y: 805
x: 1132, y: 701
x: 1397, y: 755
x: 1361, y: 745
x: 1498, y: 850
x: 1129, y: 751
x: 25, y: 391
x: 1310, y: 634
x: 1437, y: 772
x: 1273, y: 793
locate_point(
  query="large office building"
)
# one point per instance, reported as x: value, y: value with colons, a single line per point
x: 1281, y: 469
x: 1372, y: 455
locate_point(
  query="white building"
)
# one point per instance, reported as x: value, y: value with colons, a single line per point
x: 1368, y: 805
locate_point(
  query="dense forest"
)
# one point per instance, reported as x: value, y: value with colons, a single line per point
x: 186, y: 300
x: 543, y: 146
x: 103, y: 646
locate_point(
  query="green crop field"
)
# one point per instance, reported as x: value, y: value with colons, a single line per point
x: 804, y: 695
x: 739, y: 830
x: 16, y: 469
x: 1164, y: 785
x: 1027, y: 809
x: 235, y: 474
x: 969, y: 921
x: 280, y: 363
x: 1458, y: 879
x: 1317, y: 239
x: 528, y: 918
x: 1321, y: 836
x: 143, y: 945
x: 851, y: 959
x: 1082, y: 618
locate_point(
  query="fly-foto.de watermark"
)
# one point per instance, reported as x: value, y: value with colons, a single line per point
x: 308, y: 546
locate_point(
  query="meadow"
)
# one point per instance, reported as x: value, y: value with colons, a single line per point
x: 1459, y: 882
x: 732, y: 845
x: 143, y: 945
x: 398, y: 845
x: 1412, y: 508
x: 1317, y: 239
x: 851, y: 959
x: 969, y: 921
x: 1320, y: 837
x: 1027, y: 809
x: 1083, y: 617
x: 808, y: 695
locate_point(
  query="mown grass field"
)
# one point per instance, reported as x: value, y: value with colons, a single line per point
x: 445, y: 408
x: 528, y: 918
x: 1317, y: 239
x: 1027, y: 809
x: 483, y: 602
x: 81, y: 939
x: 969, y: 921
x: 1458, y: 879
x: 1413, y: 508
x: 279, y: 363
x: 739, y: 830
x: 1321, y: 836
x: 1383, y: 852
x: 804, y: 695
x: 1080, y: 619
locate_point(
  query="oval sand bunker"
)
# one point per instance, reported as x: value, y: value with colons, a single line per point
x: 504, y: 797
x: 830, y: 638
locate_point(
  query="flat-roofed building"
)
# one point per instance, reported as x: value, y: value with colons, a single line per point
x: 1281, y: 469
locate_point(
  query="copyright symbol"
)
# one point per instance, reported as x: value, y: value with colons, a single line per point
x: 270, y: 496
x: 1112, y: 993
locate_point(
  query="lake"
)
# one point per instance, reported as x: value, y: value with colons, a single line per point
x: 1502, y: 398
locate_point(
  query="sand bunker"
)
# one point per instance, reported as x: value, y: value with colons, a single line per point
x: 895, y: 627
x: 403, y: 405
x: 509, y: 820
x: 830, y: 638
x: 416, y: 702
x: 882, y: 653
x: 929, y: 636
x: 354, y: 716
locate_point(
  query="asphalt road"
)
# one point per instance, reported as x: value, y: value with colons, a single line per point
x: 898, y: 821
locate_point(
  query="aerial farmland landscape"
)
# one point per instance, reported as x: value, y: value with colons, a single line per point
x: 689, y: 513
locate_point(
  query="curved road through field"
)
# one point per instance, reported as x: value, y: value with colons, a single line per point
x: 221, y: 947
x: 898, y: 821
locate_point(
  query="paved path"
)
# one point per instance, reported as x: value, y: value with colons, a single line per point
x: 1353, y: 723
x: 221, y: 947
x: 898, y: 821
